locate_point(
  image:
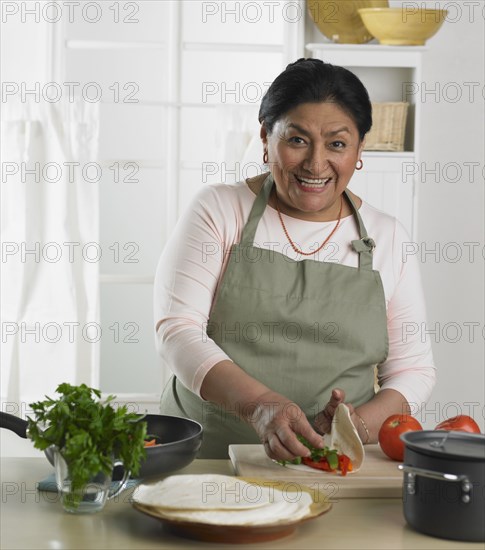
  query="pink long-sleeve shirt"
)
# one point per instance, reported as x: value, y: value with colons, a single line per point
x: 195, y: 257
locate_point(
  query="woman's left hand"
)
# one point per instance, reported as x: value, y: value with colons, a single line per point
x: 323, y: 420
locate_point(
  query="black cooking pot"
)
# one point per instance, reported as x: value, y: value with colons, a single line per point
x: 181, y: 440
x: 444, y: 484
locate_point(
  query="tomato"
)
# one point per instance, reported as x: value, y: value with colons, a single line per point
x: 460, y: 423
x: 391, y: 429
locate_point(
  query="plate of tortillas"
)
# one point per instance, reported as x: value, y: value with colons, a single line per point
x: 221, y: 508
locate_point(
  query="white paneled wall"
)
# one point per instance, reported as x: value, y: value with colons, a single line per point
x: 132, y: 132
x: 181, y: 93
x: 241, y: 22
x: 144, y: 21
x: 126, y: 55
x: 381, y: 184
x: 133, y: 69
x: 129, y: 363
x: 131, y: 226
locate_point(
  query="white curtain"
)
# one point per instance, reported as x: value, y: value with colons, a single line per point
x: 238, y: 144
x: 50, y: 251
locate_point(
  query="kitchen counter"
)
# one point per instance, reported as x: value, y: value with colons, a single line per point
x: 33, y: 519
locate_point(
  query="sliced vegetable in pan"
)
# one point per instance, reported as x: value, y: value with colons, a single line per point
x: 152, y: 441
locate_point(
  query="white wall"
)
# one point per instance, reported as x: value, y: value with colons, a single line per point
x: 451, y: 209
x: 24, y: 46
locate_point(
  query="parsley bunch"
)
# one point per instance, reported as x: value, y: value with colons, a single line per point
x: 88, y: 432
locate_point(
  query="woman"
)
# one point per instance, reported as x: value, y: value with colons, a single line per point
x: 273, y: 304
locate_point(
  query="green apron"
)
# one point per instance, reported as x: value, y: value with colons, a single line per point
x: 299, y: 327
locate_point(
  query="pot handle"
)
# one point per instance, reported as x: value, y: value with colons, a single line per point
x: 412, y: 471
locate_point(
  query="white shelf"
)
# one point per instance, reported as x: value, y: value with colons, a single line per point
x: 222, y: 47
x: 112, y: 45
x: 370, y: 47
x: 126, y: 279
x: 402, y: 155
x: 367, y: 55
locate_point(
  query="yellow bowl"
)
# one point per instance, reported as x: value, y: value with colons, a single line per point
x: 402, y: 26
x: 340, y: 21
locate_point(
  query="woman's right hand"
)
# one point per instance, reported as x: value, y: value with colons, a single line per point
x: 277, y: 421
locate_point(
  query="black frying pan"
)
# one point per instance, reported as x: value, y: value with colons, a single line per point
x: 181, y: 439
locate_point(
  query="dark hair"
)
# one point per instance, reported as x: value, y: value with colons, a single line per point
x: 313, y: 81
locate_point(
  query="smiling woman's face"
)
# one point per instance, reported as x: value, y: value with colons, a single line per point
x: 312, y: 153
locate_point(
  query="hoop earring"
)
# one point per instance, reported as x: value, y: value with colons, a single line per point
x: 359, y: 167
x: 265, y: 157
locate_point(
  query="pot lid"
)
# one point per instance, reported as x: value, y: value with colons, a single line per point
x: 446, y: 444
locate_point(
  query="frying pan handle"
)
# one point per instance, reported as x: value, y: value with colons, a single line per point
x: 14, y: 424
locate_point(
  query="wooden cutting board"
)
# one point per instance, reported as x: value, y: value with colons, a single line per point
x: 379, y: 477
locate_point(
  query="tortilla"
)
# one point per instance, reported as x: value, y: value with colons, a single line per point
x: 222, y: 500
x: 344, y: 438
x: 281, y: 509
x: 203, y: 492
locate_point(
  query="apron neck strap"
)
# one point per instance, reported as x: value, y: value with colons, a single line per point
x: 259, y: 206
x: 363, y: 246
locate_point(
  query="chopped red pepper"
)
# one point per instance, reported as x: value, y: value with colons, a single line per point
x: 323, y: 459
x: 344, y: 464
x: 321, y: 464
